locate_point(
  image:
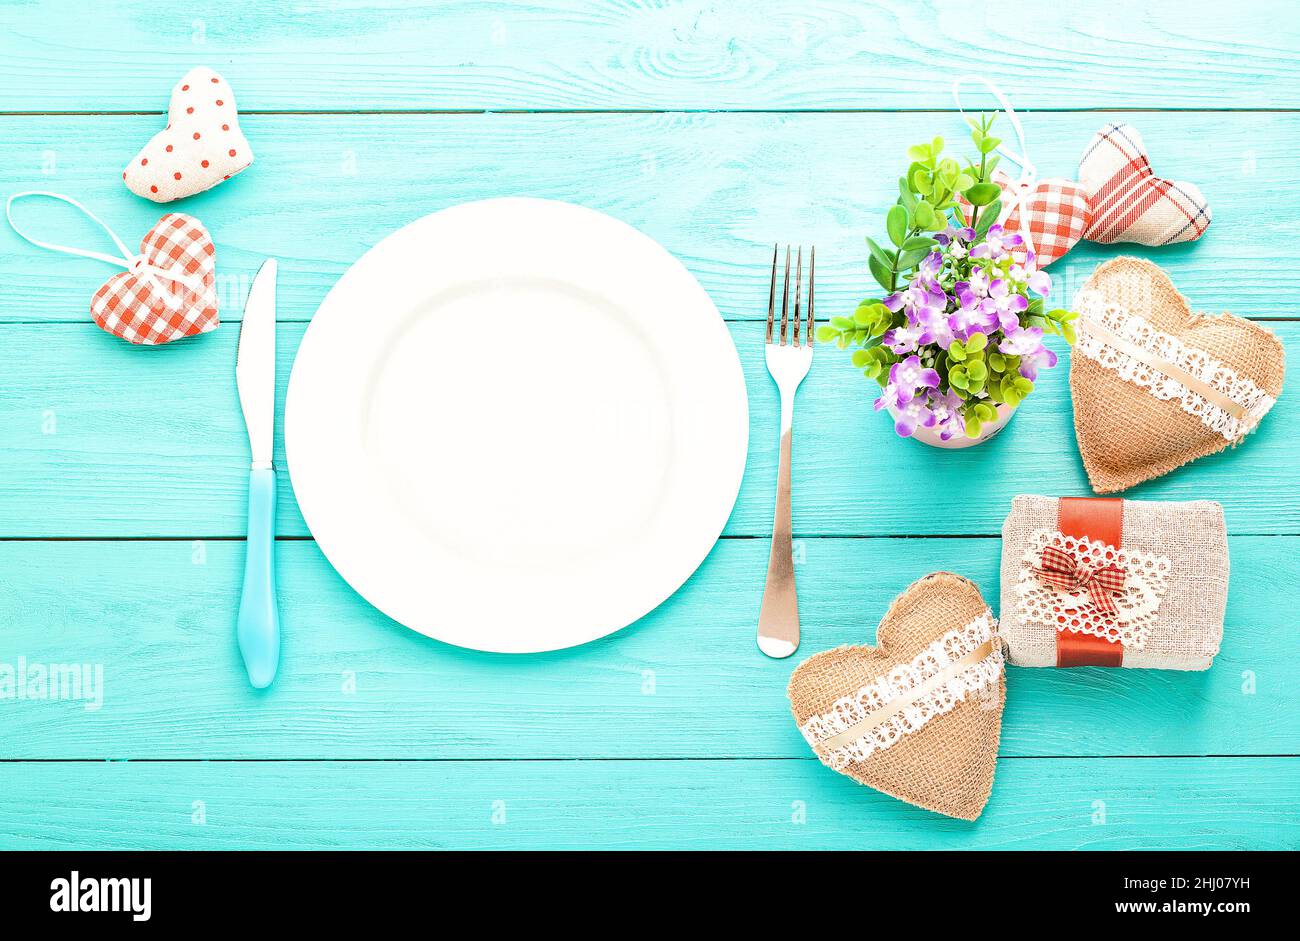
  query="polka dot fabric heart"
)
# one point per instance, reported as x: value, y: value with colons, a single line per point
x: 201, y: 146
x: 149, y: 309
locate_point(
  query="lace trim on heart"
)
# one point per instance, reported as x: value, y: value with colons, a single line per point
x: 1162, y: 346
x: 1146, y: 580
x: 850, y: 710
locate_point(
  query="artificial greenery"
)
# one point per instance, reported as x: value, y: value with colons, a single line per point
x: 956, y: 311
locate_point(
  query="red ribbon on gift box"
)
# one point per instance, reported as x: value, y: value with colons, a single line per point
x: 1100, y: 519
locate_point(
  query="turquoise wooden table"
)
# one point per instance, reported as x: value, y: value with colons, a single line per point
x: 717, y: 128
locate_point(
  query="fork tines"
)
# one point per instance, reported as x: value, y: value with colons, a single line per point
x: 784, y: 335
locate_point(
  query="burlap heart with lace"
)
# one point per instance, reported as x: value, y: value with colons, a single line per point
x: 919, y: 715
x: 1156, y: 385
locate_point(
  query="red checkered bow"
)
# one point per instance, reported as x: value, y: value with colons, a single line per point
x: 1063, y: 572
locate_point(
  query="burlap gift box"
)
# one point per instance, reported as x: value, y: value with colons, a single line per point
x: 919, y: 715
x: 1154, y: 384
x: 1169, y: 612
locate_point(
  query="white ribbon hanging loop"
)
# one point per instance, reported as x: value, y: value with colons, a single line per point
x: 1028, y: 173
x: 138, y: 264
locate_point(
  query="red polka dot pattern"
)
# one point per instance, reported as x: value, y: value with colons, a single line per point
x: 185, y: 157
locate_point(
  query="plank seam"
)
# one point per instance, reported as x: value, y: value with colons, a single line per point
x: 570, y: 760
x: 460, y: 112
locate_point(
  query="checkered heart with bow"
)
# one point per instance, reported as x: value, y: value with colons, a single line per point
x: 1117, y: 198
x: 168, y: 290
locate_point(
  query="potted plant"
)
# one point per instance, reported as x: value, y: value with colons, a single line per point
x: 956, y: 340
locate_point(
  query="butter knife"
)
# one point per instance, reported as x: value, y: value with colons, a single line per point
x: 258, y: 627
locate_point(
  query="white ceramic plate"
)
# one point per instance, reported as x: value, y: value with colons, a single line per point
x: 516, y: 425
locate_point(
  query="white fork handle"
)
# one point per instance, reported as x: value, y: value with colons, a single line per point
x: 778, y: 621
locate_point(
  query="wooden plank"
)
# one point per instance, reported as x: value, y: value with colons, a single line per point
x: 715, y: 189
x: 1039, y: 804
x: 105, y: 439
x: 686, y: 681
x: 573, y: 54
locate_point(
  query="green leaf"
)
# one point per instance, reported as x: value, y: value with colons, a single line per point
x: 861, y: 358
x: 957, y: 377
x: 905, y: 194
x: 919, y: 152
x: 842, y: 323
x: 981, y: 194
x: 924, y: 214
x: 986, y: 412
x: 886, y: 258
x: 864, y: 316
x: 1023, y: 385
x: 997, y: 362
x: 988, y: 217
x: 896, y: 225
x: 963, y: 182
x: 917, y: 242
x: 921, y: 182
x: 1067, y: 331
x: 988, y: 144
x: 826, y: 333
x: 884, y: 277
x: 936, y: 146
x: 957, y: 352
x: 972, y: 426
x: 977, y: 370
x: 976, y: 342
x: 911, y: 259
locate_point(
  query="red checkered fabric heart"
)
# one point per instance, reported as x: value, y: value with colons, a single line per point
x: 1128, y: 202
x: 1057, y: 211
x: 170, y: 290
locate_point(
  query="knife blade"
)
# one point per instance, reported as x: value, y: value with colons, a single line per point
x: 255, y: 363
x: 258, y: 625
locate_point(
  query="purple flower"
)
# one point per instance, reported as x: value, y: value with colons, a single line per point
x: 906, y: 378
x: 1004, y: 305
x: 947, y: 414
x: 972, y: 316
x: 1041, y: 358
x: 1026, y: 272
x: 958, y: 234
x: 919, y: 298
x: 997, y: 244
x: 928, y: 271
x: 978, y: 283
x: 903, y: 339
x: 908, y: 417
x: 1040, y: 282
x: 1027, y: 343
x: 935, y: 330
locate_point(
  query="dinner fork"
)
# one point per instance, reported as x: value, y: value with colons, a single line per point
x: 788, y: 362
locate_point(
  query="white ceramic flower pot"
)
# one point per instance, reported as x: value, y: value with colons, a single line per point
x: 931, y: 437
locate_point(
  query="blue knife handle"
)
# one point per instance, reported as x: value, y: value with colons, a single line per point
x: 259, y: 617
